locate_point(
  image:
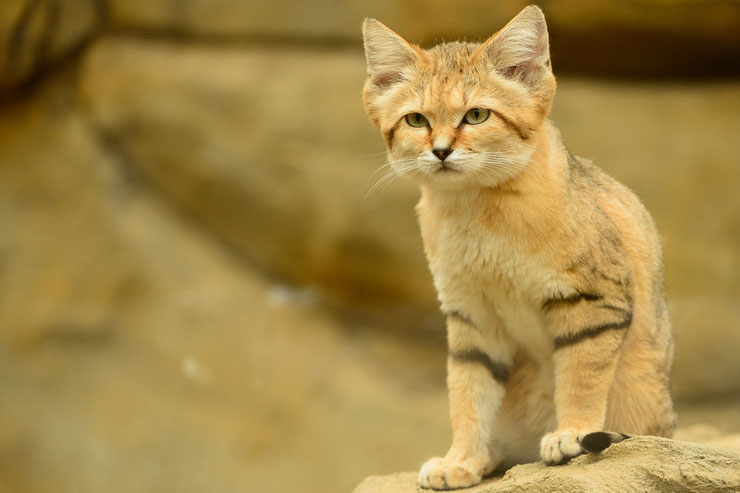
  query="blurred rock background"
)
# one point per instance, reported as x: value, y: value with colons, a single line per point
x: 197, y: 292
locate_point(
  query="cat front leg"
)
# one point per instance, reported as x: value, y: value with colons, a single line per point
x: 589, y: 332
x: 478, y: 366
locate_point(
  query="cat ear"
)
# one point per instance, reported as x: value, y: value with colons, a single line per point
x: 521, y: 49
x: 388, y: 54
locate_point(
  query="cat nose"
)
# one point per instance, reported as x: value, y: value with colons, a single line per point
x: 442, y: 152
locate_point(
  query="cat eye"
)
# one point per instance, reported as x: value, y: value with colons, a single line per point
x: 416, y: 120
x: 476, y: 115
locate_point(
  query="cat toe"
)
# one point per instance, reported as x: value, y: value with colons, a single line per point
x: 443, y: 474
x: 560, y: 446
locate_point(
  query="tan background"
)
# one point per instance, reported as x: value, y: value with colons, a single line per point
x: 196, y: 291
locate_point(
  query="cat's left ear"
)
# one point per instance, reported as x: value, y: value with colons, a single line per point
x: 388, y: 54
x: 521, y: 49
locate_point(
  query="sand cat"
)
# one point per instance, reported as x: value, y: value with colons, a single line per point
x: 549, y: 271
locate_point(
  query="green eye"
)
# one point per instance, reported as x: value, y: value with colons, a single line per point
x: 416, y: 120
x: 476, y: 116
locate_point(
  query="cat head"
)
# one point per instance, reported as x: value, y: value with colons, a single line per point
x: 460, y: 114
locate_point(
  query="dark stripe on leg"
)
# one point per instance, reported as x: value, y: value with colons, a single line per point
x: 461, y: 316
x: 613, y: 308
x: 591, y: 332
x: 547, y: 305
x: 499, y: 371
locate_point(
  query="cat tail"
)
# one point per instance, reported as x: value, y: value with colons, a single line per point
x: 599, y: 440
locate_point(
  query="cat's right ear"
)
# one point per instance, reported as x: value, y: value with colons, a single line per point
x: 521, y: 49
x: 388, y: 54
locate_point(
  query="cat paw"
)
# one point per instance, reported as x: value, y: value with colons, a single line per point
x: 561, y: 446
x: 444, y: 474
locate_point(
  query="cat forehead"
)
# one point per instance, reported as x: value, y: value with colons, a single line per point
x: 452, y: 54
x: 451, y: 75
x: 450, y: 64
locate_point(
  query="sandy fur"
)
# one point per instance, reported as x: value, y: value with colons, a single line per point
x: 549, y: 270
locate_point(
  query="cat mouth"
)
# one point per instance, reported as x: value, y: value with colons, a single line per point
x: 445, y: 169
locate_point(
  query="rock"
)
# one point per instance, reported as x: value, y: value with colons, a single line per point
x: 66, y: 274
x: 35, y: 34
x: 709, y: 435
x: 639, y: 464
x: 278, y: 167
x: 134, y: 345
x: 682, y: 38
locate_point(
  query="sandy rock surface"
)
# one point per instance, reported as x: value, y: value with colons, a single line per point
x: 639, y: 464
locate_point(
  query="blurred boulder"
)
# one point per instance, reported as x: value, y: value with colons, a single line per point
x: 35, y: 34
x: 709, y: 435
x: 133, y: 345
x: 271, y: 151
x: 66, y: 273
x: 327, y: 20
x: 646, y: 37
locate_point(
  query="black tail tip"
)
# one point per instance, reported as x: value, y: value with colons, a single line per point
x: 599, y: 440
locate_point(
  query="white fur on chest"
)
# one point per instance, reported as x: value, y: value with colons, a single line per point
x: 486, y: 276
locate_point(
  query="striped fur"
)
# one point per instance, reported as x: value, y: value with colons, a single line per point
x: 499, y: 371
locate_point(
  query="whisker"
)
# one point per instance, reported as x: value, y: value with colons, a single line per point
x: 395, y: 169
x: 492, y: 165
x: 373, y: 154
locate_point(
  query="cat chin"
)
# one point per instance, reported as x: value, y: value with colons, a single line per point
x: 454, y: 181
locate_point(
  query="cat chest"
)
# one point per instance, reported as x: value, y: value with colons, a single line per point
x: 493, y: 263
x: 492, y: 279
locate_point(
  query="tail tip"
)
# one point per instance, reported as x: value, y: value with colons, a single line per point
x: 599, y: 440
